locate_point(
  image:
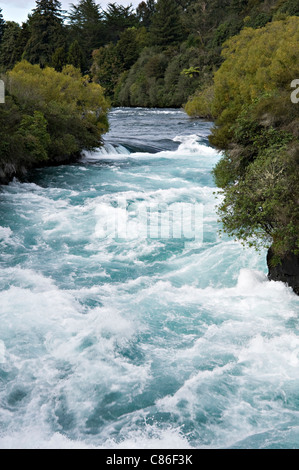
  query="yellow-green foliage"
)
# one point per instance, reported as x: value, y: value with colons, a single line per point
x: 201, y: 104
x: 48, y: 116
x: 257, y: 61
x: 74, y: 108
x: 36, y: 86
x: 257, y: 126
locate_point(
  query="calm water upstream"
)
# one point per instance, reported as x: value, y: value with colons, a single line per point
x: 117, y: 333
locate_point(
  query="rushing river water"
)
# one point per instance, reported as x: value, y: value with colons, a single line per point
x: 126, y: 321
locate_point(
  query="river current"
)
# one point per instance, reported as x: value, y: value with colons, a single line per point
x: 126, y: 320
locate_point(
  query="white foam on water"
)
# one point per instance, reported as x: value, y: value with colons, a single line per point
x: 104, y: 151
x: 190, y: 147
x: 6, y: 235
x: 136, y: 343
x: 151, y: 438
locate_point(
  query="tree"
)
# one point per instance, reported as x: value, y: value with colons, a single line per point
x: 59, y: 59
x: 46, y: 32
x: 118, y: 18
x: 128, y: 48
x: 87, y: 28
x: 166, y: 27
x: 106, y: 68
x: 290, y: 7
x: 8, y: 51
x: 2, y: 25
x: 75, y: 55
x: 74, y: 108
x: 36, y: 139
x: 145, y: 12
x: 257, y: 127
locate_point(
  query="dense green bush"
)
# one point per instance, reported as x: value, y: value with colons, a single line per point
x: 49, y: 116
x: 257, y: 126
x: 157, y: 78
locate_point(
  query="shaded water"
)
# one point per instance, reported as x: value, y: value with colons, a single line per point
x: 139, y: 342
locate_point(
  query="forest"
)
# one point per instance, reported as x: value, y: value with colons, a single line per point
x: 157, y: 55
x: 230, y: 61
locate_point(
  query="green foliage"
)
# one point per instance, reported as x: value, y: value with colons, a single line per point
x: 2, y: 25
x: 8, y: 50
x: 24, y: 139
x: 110, y: 62
x: 258, y: 21
x: 258, y: 127
x: 166, y: 26
x: 106, y: 68
x: 87, y: 28
x: 290, y: 7
x: 256, y: 62
x: 201, y: 104
x: 46, y: 32
x: 33, y: 130
x: 55, y: 115
x: 59, y: 59
x: 75, y: 56
x: 191, y: 72
x: 145, y: 12
x: 118, y: 18
x: 156, y: 79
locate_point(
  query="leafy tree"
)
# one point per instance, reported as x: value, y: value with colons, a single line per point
x: 74, y: 108
x: 257, y: 127
x: 106, y: 68
x: 129, y: 47
x: 166, y: 26
x: 157, y: 80
x: 36, y: 139
x: 111, y: 61
x: 24, y: 139
x: 47, y: 32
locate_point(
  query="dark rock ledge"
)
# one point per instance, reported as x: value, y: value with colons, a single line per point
x: 287, y: 271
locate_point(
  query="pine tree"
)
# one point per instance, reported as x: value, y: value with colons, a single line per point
x: 47, y: 32
x: 8, y: 51
x: 75, y: 56
x: 87, y: 27
x: 145, y: 12
x: 2, y: 25
x: 117, y: 19
x: 59, y: 59
x: 166, y: 27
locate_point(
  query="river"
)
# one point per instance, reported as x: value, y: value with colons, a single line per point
x: 126, y: 320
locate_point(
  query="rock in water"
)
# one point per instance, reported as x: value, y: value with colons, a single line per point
x: 287, y: 271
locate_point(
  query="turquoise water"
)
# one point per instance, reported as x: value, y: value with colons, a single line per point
x: 117, y: 333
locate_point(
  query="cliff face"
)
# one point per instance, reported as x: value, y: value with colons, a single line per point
x: 287, y: 271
